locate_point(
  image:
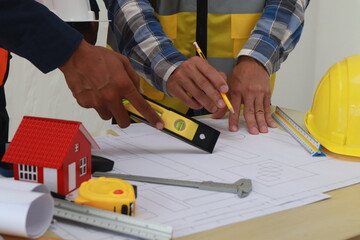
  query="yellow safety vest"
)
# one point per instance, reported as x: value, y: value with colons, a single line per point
x: 229, y: 25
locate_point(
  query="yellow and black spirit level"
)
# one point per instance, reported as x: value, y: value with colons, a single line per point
x: 180, y: 126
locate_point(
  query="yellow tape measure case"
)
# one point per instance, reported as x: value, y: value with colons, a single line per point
x: 112, y: 194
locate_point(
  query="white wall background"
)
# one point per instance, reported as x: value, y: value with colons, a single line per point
x: 332, y: 32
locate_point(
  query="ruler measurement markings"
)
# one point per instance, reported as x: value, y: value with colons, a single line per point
x: 301, y: 137
x: 111, y: 221
x: 304, y: 138
x: 294, y: 125
x: 294, y: 135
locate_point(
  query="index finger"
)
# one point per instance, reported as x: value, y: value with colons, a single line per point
x: 131, y: 72
x: 249, y: 115
x: 217, y: 79
x: 236, y: 99
x: 145, y: 109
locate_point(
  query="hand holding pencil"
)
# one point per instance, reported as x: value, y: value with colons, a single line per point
x: 198, y: 85
x: 223, y: 95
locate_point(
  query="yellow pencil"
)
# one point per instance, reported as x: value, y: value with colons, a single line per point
x: 223, y: 95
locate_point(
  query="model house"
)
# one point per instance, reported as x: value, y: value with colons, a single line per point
x: 51, y: 151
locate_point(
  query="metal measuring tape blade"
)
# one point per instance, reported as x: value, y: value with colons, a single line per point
x: 242, y: 187
x: 178, y: 125
x: 301, y: 136
x: 111, y: 221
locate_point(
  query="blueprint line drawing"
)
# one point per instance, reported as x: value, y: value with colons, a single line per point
x: 283, y: 174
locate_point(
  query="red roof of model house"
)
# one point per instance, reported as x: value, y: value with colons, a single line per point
x: 44, y: 142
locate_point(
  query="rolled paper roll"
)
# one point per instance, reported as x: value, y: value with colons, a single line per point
x: 26, y: 209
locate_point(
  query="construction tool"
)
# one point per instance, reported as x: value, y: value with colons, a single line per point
x: 241, y: 187
x: 111, y: 221
x: 110, y: 194
x: 301, y: 136
x: 180, y: 126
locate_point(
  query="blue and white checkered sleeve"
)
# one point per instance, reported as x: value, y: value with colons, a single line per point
x: 276, y: 33
x: 140, y: 37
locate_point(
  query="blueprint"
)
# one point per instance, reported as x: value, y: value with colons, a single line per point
x: 283, y: 174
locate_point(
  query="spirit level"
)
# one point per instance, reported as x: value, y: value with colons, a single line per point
x: 302, y: 136
x: 180, y: 126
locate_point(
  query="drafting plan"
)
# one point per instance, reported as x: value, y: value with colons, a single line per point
x: 283, y: 174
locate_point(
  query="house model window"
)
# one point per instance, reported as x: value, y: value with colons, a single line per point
x: 83, y: 163
x: 28, y: 173
x: 77, y: 147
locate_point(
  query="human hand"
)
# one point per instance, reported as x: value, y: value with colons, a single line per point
x: 249, y: 85
x: 197, y: 84
x: 100, y: 78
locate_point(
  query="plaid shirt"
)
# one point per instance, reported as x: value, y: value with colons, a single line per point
x: 140, y: 37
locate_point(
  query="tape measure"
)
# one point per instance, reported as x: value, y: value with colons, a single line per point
x: 111, y: 221
x: 303, y: 137
x: 180, y: 126
x: 110, y: 194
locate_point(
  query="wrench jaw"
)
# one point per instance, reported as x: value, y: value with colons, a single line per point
x: 244, y: 187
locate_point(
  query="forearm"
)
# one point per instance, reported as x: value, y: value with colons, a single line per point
x: 30, y: 30
x: 140, y: 37
x: 276, y: 33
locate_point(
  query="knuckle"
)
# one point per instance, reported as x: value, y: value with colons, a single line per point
x: 203, y: 84
x: 144, y: 108
x: 236, y: 92
x: 268, y: 93
x: 121, y: 84
x: 251, y: 89
x: 249, y: 112
x: 96, y: 104
x: 197, y: 94
x: 109, y: 96
x: 83, y: 104
x: 123, y: 81
x: 192, y: 104
x: 187, y: 64
x: 83, y: 101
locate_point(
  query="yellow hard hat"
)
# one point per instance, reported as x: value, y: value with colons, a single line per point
x: 334, y: 118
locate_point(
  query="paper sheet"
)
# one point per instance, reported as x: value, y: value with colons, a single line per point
x: 284, y: 176
x: 26, y: 209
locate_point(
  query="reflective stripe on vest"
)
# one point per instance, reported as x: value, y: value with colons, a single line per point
x: 4, y: 61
